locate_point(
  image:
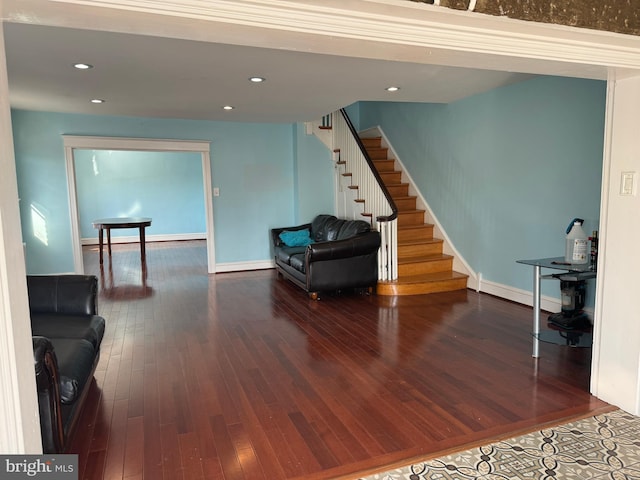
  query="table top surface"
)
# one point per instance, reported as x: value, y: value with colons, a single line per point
x: 122, y: 222
x: 558, y: 263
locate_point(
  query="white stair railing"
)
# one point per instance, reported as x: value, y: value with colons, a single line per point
x: 372, y: 200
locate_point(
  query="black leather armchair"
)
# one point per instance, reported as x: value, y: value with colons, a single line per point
x: 67, y: 333
x: 342, y: 254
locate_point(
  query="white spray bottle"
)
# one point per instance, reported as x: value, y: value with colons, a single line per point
x: 576, y: 250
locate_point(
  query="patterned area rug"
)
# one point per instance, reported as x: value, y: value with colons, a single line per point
x: 606, y: 446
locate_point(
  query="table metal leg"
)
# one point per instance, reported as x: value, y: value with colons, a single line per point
x: 536, y: 311
x: 100, y: 244
x: 109, y: 242
x: 143, y: 254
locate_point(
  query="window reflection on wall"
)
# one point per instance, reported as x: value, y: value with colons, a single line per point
x: 39, y: 223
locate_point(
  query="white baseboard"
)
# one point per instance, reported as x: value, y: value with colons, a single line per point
x: 243, y: 266
x: 549, y: 304
x: 149, y: 238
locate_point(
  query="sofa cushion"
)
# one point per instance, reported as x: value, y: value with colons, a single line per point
x: 75, y: 363
x: 55, y: 325
x: 351, y: 228
x: 326, y: 228
x: 319, y: 226
x: 73, y: 294
x: 297, y: 262
x: 332, y: 229
x: 295, y: 238
x: 283, y: 254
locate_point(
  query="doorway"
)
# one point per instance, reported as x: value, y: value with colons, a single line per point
x: 73, y: 143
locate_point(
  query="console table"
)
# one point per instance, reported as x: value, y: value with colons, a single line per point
x: 575, y: 272
x: 124, y: 222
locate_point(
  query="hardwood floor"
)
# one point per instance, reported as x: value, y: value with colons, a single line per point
x: 241, y: 376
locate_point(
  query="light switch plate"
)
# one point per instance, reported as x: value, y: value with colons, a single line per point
x: 628, y: 183
x: 216, y: 192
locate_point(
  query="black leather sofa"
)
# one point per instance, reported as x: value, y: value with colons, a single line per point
x: 67, y: 333
x: 341, y: 254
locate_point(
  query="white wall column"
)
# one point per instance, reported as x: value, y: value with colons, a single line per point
x: 20, y: 431
x: 616, y: 362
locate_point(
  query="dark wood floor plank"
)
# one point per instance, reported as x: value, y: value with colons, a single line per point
x: 262, y: 435
x: 100, y: 433
x: 95, y: 465
x: 242, y: 376
x: 152, y: 455
x: 246, y: 453
x: 86, y: 424
x: 190, y: 456
x: 136, y: 394
x: 134, y: 451
x: 224, y: 445
x: 114, y: 462
x: 171, y: 454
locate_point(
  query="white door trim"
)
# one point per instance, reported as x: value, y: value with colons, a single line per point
x: 72, y: 142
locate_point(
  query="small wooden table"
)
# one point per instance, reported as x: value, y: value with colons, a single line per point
x: 124, y: 222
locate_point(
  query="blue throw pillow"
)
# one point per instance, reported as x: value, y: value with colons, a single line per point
x: 295, y: 238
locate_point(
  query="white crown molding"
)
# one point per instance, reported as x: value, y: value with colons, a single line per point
x: 122, y: 143
x: 402, y: 29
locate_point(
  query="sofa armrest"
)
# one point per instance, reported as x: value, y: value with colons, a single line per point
x: 275, y: 233
x: 70, y: 294
x: 48, y: 387
x: 361, y: 244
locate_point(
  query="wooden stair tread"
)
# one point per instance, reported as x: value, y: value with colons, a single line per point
x: 413, y: 210
x: 424, y: 283
x: 395, y: 184
x: 376, y: 149
x: 410, y: 227
x: 407, y: 242
x: 424, y: 258
x: 405, y: 197
x: 429, y: 277
x: 371, y: 141
x: 384, y: 165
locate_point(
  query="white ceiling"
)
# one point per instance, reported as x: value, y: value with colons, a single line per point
x: 146, y: 76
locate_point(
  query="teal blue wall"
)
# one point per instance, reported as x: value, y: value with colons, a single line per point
x: 166, y: 186
x: 505, y: 171
x: 252, y: 165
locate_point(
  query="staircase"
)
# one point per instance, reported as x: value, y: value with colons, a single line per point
x: 422, y: 265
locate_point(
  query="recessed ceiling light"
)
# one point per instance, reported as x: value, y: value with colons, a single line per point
x: 97, y: 100
x: 392, y: 89
x: 82, y: 66
x: 257, y: 79
x: 228, y: 107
